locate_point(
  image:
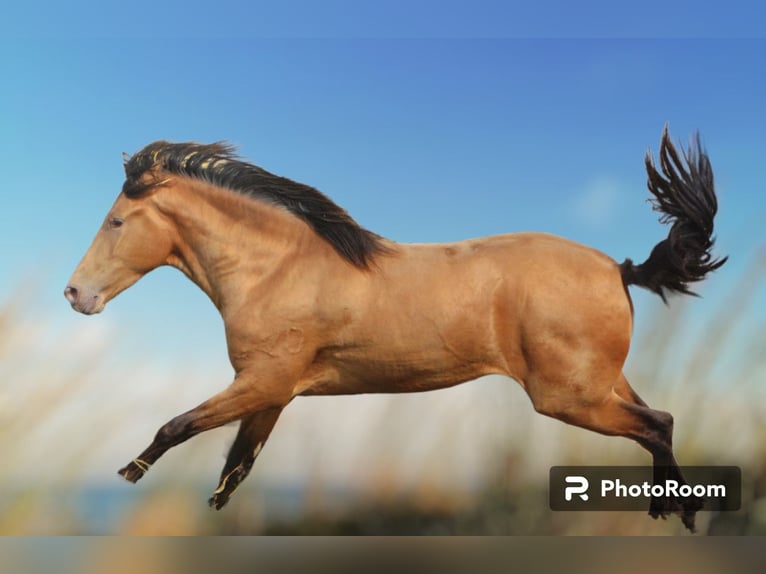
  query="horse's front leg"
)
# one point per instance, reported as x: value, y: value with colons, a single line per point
x: 253, y: 432
x: 244, y: 396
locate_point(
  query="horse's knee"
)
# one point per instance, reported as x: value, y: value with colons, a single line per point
x: 175, y: 431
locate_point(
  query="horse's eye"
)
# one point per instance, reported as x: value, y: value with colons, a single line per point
x: 115, y: 222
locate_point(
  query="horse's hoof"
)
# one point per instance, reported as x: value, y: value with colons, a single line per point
x: 134, y: 471
x: 218, y: 501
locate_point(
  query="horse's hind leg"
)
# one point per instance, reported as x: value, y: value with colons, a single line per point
x: 665, y: 466
x: 618, y: 411
x: 253, y: 432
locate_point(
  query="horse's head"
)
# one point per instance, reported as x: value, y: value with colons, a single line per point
x: 134, y: 239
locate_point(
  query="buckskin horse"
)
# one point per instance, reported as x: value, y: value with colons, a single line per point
x: 314, y: 304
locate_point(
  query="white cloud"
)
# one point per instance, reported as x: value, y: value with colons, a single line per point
x: 597, y: 202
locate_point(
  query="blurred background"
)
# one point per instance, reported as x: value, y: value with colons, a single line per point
x: 421, y: 139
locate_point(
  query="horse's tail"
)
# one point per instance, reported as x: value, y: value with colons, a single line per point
x: 685, y: 196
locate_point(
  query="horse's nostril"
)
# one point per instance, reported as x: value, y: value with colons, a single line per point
x: 71, y: 294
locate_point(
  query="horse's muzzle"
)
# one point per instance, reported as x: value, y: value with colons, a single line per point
x: 83, y: 300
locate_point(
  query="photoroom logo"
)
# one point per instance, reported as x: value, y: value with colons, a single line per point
x: 581, y: 489
x: 633, y: 487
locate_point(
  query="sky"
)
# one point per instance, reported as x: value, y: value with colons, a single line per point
x: 419, y: 139
x: 427, y: 121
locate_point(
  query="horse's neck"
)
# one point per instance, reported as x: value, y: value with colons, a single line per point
x: 227, y: 243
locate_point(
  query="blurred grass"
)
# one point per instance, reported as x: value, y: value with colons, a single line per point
x: 469, y: 460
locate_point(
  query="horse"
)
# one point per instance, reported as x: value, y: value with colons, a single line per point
x: 314, y: 304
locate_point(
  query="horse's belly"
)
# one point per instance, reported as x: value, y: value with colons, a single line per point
x: 396, y: 375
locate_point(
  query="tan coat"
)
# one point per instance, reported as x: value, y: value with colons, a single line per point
x: 311, y: 312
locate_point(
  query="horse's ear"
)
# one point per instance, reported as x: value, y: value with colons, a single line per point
x: 125, y: 159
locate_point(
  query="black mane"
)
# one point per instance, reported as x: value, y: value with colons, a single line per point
x: 219, y: 165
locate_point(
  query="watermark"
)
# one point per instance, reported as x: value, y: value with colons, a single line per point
x: 633, y: 487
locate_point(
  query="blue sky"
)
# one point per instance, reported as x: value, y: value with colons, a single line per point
x: 420, y: 138
x: 391, y: 19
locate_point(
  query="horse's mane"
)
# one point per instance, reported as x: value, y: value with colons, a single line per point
x: 219, y: 165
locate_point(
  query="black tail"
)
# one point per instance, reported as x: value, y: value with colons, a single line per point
x: 685, y: 196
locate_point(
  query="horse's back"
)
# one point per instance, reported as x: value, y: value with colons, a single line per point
x: 536, y: 250
x: 531, y: 270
